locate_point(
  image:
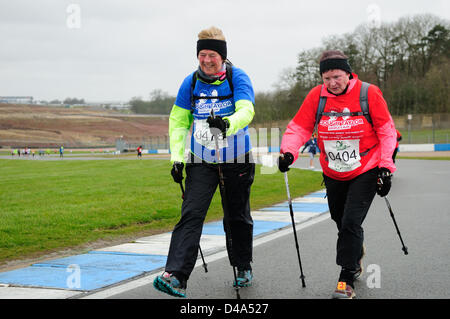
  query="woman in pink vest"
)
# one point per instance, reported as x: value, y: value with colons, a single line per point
x: 355, y: 154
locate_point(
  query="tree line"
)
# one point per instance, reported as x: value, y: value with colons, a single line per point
x: 408, y: 59
x: 160, y: 103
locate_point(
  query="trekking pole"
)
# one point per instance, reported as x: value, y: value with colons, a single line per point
x: 199, y: 248
x: 203, y: 258
x: 302, y: 277
x: 404, y: 248
x: 228, y: 238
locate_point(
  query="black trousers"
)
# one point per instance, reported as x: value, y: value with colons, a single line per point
x: 202, y: 180
x: 349, y: 202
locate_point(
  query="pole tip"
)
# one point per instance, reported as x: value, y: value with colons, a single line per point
x: 303, y: 281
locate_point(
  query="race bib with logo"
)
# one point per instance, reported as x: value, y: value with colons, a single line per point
x: 203, y: 136
x: 343, y: 155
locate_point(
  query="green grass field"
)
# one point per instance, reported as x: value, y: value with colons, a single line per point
x: 48, y: 206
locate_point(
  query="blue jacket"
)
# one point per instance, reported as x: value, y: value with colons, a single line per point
x: 312, y: 146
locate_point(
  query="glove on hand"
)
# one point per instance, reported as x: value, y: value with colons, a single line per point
x: 284, y: 160
x: 177, y: 172
x: 218, y: 123
x: 384, y: 181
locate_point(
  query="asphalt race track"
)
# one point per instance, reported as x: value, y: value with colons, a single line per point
x: 421, y: 205
x: 420, y: 202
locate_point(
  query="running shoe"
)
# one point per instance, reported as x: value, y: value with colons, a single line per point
x: 343, y: 291
x: 244, y: 278
x: 170, y: 285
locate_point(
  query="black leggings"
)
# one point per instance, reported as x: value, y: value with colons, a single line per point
x: 202, y: 180
x: 349, y: 202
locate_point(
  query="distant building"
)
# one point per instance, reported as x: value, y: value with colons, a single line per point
x: 118, y: 106
x: 112, y: 105
x: 16, y: 99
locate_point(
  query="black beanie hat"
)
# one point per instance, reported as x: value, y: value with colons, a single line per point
x: 219, y: 46
x: 333, y: 64
x: 334, y: 59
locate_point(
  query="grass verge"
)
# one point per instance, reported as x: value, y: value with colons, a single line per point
x: 47, y: 206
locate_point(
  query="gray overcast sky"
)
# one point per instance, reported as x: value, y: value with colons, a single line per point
x: 114, y: 50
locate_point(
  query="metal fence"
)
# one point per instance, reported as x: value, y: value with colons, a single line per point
x: 424, y: 128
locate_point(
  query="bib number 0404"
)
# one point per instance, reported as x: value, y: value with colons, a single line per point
x: 343, y: 155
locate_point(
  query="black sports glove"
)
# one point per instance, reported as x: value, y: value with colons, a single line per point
x: 384, y: 181
x: 284, y: 160
x: 177, y: 172
x: 218, y: 123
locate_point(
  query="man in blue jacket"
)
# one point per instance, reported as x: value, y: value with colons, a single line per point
x: 219, y: 86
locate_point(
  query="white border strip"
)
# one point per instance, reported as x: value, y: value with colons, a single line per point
x: 148, y: 279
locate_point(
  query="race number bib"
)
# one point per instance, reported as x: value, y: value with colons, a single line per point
x: 343, y: 156
x: 203, y: 136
